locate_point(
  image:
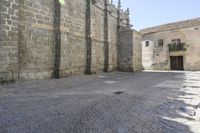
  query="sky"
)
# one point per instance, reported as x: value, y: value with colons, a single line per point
x: 148, y: 13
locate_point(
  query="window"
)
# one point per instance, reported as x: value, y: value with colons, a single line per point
x: 147, y: 43
x: 160, y: 43
x: 176, y: 41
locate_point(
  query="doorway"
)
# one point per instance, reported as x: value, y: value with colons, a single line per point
x: 176, y: 63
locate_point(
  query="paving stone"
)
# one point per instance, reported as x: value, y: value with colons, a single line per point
x: 77, y: 105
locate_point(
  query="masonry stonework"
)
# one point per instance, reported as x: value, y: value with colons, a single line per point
x: 137, y: 51
x: 36, y: 39
x: 73, y: 42
x: 9, y: 27
x: 43, y: 39
x: 126, y: 50
x: 130, y: 50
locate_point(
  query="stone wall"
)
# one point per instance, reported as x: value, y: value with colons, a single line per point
x: 113, y: 37
x: 9, y: 25
x: 137, y: 51
x: 97, y: 36
x: 73, y: 42
x: 130, y: 50
x: 36, y: 39
x: 126, y: 50
x: 43, y: 39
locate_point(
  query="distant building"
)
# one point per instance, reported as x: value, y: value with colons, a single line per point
x: 173, y: 46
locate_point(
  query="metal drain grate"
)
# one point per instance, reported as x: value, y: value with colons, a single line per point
x: 190, y: 112
x: 118, y: 92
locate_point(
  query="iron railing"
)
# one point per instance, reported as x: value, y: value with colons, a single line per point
x: 176, y: 47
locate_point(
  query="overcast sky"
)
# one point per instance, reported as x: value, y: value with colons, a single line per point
x: 146, y: 13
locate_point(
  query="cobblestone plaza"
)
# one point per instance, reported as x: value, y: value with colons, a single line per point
x: 147, y: 102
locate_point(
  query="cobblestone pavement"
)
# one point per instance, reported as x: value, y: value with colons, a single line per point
x: 147, y: 102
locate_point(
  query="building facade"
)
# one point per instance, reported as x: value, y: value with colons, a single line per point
x: 41, y: 39
x: 173, y: 46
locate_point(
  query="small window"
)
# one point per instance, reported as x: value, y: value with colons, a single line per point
x: 147, y: 43
x: 176, y: 41
x: 160, y: 43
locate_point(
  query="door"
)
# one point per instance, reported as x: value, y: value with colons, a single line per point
x: 176, y: 63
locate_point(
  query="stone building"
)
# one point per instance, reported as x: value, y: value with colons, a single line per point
x: 41, y: 39
x: 173, y: 46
